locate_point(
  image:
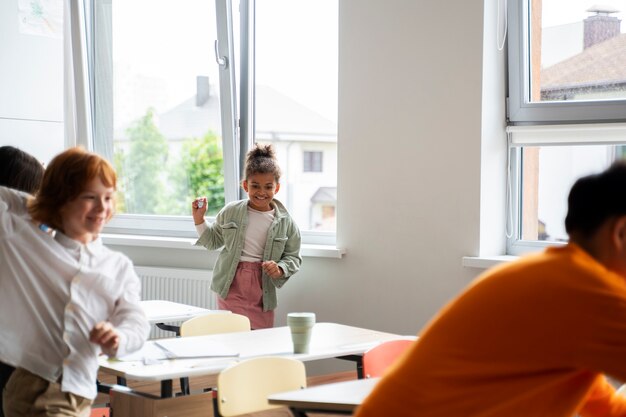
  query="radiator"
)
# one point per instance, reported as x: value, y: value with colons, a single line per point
x: 187, y: 286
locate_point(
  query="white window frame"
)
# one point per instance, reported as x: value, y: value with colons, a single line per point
x: 520, y: 109
x: 555, y: 123
x: 237, y: 123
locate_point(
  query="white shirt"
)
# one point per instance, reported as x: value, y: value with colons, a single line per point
x: 259, y: 223
x: 53, y: 290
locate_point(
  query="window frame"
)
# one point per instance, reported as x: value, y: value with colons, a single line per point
x: 237, y: 119
x: 520, y: 110
x: 552, y: 123
x: 178, y: 226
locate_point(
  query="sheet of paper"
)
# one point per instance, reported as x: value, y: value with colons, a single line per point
x: 149, y: 351
x: 182, y: 347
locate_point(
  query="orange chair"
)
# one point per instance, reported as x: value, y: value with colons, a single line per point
x: 379, y: 358
x: 100, y: 412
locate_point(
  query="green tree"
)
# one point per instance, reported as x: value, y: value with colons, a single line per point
x: 144, y: 167
x: 200, y: 172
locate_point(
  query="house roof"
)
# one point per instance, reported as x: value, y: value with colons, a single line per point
x: 603, y: 63
x: 325, y: 195
x: 278, y: 113
x: 186, y: 120
x: 277, y: 117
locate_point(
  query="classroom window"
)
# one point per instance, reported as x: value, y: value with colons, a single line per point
x: 179, y: 97
x: 566, y: 108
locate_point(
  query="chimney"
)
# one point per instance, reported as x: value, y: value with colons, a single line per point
x: 202, y: 90
x: 600, y: 26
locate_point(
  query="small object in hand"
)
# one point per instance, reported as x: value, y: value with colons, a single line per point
x: 200, y: 203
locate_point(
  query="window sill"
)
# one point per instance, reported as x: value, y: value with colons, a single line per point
x: 484, y: 262
x: 307, y: 250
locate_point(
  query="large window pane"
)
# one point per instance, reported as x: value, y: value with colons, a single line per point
x: 578, y: 49
x: 296, y: 103
x: 157, y: 96
x: 548, y: 173
x: 566, y: 61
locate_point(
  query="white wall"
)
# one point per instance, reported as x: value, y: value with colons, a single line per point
x: 415, y: 120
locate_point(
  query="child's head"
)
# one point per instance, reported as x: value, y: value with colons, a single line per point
x: 20, y: 170
x: 261, y: 159
x: 67, y: 176
x: 262, y: 176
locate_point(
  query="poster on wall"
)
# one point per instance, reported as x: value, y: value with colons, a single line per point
x: 41, y: 17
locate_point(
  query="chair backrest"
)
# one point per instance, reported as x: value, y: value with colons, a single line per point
x: 244, y: 387
x: 100, y: 412
x: 215, y: 323
x: 379, y: 358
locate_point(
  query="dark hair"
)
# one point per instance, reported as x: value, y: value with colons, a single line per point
x: 65, y: 178
x: 261, y: 160
x: 20, y: 170
x: 595, y: 199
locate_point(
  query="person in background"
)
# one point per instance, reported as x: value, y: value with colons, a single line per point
x: 534, y: 337
x: 65, y: 298
x: 260, y: 242
x: 21, y: 171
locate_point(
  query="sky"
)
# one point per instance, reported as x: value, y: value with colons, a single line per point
x: 296, y: 52
x: 296, y: 44
x: 554, y: 13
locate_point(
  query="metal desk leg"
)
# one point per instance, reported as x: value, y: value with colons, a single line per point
x: 169, y: 328
x: 358, y: 359
x: 297, y: 413
x: 184, y: 386
x: 166, y: 388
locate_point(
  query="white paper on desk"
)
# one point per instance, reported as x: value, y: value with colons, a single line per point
x: 188, y: 348
x: 149, y: 351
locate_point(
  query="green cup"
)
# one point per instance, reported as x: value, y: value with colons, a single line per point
x: 301, y: 326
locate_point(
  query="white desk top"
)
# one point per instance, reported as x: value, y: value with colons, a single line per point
x: 338, y: 396
x: 329, y: 340
x: 161, y: 311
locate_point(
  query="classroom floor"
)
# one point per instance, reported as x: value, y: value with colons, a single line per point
x: 198, y: 383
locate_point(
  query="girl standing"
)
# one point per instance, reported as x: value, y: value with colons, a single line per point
x: 260, y: 242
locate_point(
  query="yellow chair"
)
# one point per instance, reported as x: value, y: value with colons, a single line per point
x: 215, y: 323
x: 244, y: 387
x: 211, y: 324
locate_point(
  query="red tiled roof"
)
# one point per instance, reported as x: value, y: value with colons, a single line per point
x: 600, y: 63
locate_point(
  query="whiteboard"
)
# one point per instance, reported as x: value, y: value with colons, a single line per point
x: 31, y: 70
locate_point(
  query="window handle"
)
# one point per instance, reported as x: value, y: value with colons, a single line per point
x: 222, y: 61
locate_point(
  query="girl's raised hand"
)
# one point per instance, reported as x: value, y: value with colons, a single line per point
x: 198, y: 209
x: 272, y: 269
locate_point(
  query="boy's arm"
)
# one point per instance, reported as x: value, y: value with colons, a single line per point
x: 603, y: 400
x: 128, y: 318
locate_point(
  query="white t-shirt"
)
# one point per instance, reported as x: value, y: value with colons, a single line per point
x: 259, y: 223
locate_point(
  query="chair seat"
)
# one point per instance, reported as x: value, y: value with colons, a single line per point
x: 244, y: 387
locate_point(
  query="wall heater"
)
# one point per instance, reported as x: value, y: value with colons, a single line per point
x: 187, y: 286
